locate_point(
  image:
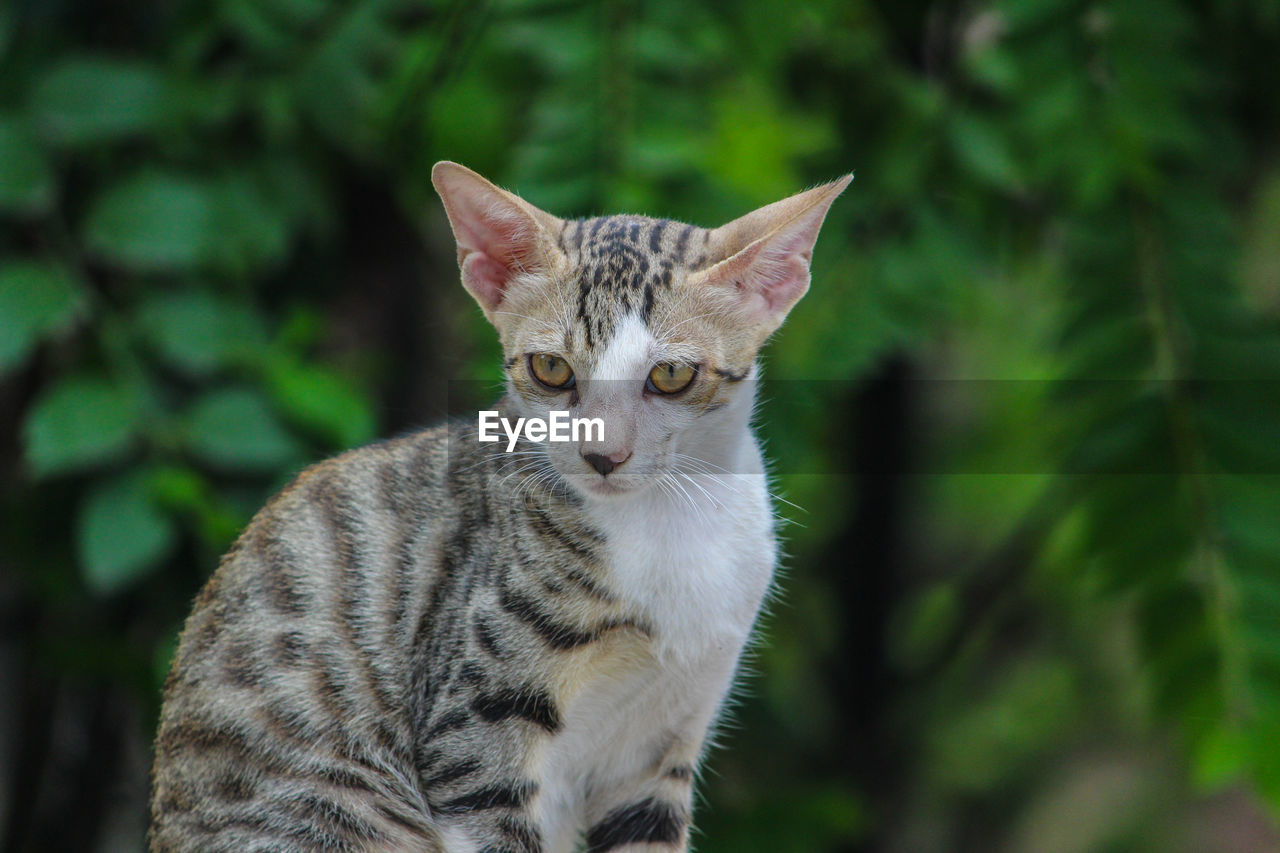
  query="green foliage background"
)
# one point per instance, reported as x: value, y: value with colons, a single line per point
x: 1050, y: 301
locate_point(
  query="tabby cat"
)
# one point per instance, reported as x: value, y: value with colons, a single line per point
x: 434, y: 644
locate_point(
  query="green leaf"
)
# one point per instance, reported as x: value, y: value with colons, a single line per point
x: 236, y: 429
x: 199, y: 332
x: 91, y: 100
x: 153, y: 221
x: 252, y: 232
x: 1220, y: 757
x: 924, y: 625
x: 79, y: 422
x: 121, y: 534
x: 26, y: 178
x: 323, y: 402
x: 36, y: 299
x: 981, y: 146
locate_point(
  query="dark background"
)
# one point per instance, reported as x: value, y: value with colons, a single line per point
x: 1027, y: 419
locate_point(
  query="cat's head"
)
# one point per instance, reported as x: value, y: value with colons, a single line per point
x: 651, y: 325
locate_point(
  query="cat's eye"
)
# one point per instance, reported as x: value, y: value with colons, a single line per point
x: 551, y: 370
x: 669, y: 377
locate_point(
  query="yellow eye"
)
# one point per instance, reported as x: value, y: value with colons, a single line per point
x: 671, y: 378
x: 551, y: 370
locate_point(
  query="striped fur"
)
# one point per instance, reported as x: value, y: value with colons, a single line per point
x: 431, y: 645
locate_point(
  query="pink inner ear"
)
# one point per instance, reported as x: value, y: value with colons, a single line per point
x: 784, y: 282
x: 496, y: 243
x: 504, y: 238
x: 485, y: 278
x: 770, y: 276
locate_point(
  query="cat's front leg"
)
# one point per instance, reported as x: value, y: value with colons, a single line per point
x: 650, y: 814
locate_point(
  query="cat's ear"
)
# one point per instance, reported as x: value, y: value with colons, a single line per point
x: 499, y: 235
x: 766, y: 255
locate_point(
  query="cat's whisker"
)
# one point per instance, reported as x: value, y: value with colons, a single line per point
x: 523, y: 469
x: 501, y: 461
x: 526, y: 317
x: 666, y: 331
x: 691, y: 481
x: 692, y: 503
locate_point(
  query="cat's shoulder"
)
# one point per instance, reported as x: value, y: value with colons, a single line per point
x: 389, y: 468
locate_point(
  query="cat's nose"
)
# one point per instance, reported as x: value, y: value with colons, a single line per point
x: 605, y: 464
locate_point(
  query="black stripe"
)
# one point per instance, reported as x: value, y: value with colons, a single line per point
x: 487, y: 637
x: 647, y: 310
x: 681, y: 773
x: 409, y: 822
x: 655, y: 236
x: 580, y: 579
x: 449, y: 722
x: 281, y: 570
x: 312, y: 808
x: 528, y: 703
x: 557, y: 634
x: 287, y: 721
x: 547, y: 526
x: 584, y: 290
x: 452, y: 773
x: 240, y: 665
x: 512, y: 795
x: 344, y: 777
x: 682, y: 242
x: 471, y: 673
x: 289, y: 649
x: 519, y: 832
x: 647, y: 821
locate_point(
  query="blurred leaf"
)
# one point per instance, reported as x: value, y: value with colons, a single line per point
x: 178, y: 488
x: 121, y: 534
x: 198, y: 332
x: 320, y: 400
x: 1221, y: 757
x: 338, y: 80
x: 90, y: 100
x: 36, y: 300
x: 998, y: 737
x: 757, y: 141
x: 982, y: 146
x: 26, y: 178
x: 252, y: 233
x: 925, y: 623
x: 79, y: 422
x: 153, y: 221
x: 235, y: 429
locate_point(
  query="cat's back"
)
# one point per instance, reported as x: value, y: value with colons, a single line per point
x: 286, y: 712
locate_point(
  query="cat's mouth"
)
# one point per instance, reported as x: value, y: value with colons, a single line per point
x: 605, y: 486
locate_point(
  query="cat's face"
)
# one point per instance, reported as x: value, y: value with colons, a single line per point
x: 649, y: 325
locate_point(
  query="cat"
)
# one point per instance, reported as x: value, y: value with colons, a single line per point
x: 431, y: 644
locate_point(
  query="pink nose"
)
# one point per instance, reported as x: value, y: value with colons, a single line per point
x: 605, y: 464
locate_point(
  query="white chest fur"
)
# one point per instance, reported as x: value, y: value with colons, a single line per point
x: 698, y: 569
